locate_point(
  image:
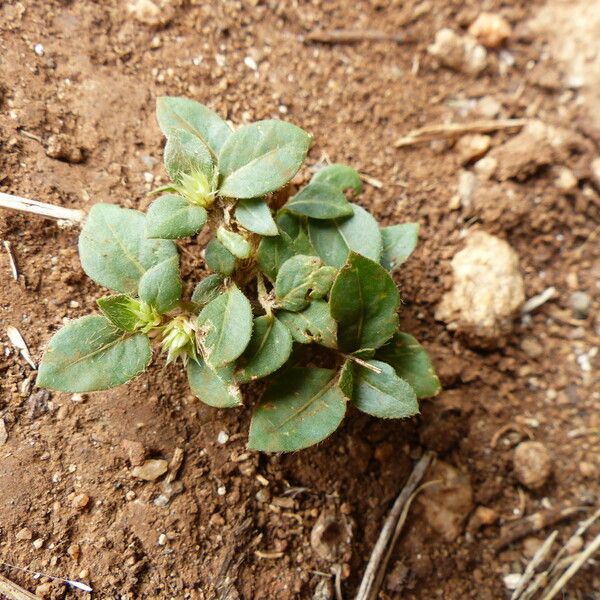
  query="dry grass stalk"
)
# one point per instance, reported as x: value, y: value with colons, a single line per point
x: 68, y: 215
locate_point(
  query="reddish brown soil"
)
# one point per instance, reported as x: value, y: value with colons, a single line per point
x: 96, y: 84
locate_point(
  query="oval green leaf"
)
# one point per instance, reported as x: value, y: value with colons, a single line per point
x: 215, y: 387
x: 161, y: 285
x: 412, y: 363
x: 172, y: 217
x: 91, y: 354
x: 320, y: 201
x: 333, y: 240
x: 399, y: 241
x: 114, y: 250
x: 218, y: 258
x: 225, y: 326
x: 340, y: 177
x: 272, y: 253
x: 312, y: 325
x: 186, y: 154
x: 295, y: 282
x: 207, y: 289
x: 383, y: 394
x: 118, y: 310
x: 191, y: 116
x: 261, y: 157
x: 254, y: 215
x: 364, y: 300
x: 301, y: 409
x: 270, y: 346
x: 234, y: 242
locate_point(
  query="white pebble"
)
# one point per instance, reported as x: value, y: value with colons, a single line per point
x: 148, y: 177
x: 512, y: 580
x: 162, y: 539
x: 223, y: 437
x: 250, y: 63
x: 39, y: 49
x: 221, y: 490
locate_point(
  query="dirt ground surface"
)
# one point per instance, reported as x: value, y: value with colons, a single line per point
x: 78, y: 83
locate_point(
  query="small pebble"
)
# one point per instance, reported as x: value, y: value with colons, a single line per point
x: 263, y: 495
x: 130, y: 495
x: 512, y: 580
x: 532, y: 347
x: 39, y: 49
x: 490, y: 30
x: 574, y: 544
x: 38, y: 543
x: 580, y: 304
x: 472, y: 147
x: 151, y: 469
x: 74, y: 551
x: 566, y: 181
x: 532, y: 464
x: 24, y: 534
x: 222, y: 437
x: 250, y: 63
x: 80, y: 501
x: 135, y: 451
x: 485, y: 167
x: 489, y: 107
x: 221, y: 490
x: 162, y: 540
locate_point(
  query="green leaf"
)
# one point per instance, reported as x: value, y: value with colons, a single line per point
x: 161, y: 285
x: 225, y: 327
x: 193, y: 117
x: 117, y: 309
x: 295, y: 282
x: 399, y: 241
x: 173, y: 217
x: 215, y: 387
x: 333, y: 240
x: 218, y: 258
x: 319, y: 201
x: 91, y: 354
x: 321, y: 282
x: 273, y: 252
x: 364, y: 301
x: 295, y: 228
x: 207, y: 289
x: 270, y: 346
x: 346, y: 379
x: 313, y: 325
x: 299, y: 410
x: 412, y: 363
x: 234, y: 242
x: 261, y: 157
x: 185, y: 154
x: 339, y: 176
x: 254, y: 215
x: 383, y: 394
x: 114, y: 250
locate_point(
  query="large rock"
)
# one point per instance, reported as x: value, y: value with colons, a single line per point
x: 487, y: 291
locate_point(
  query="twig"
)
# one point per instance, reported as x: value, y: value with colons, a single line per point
x: 16, y: 339
x: 337, y: 573
x: 371, y: 582
x: 452, y: 130
x: 362, y: 363
x: 70, y: 582
x: 590, y: 549
x: 351, y: 36
x: 70, y: 215
x: 13, y: 591
x: 536, y: 301
x: 538, y: 557
x: 535, y: 522
x: 11, y: 260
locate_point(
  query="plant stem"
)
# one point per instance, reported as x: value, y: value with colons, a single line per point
x: 362, y: 363
x: 41, y: 208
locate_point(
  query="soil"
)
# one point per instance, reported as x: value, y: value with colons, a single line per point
x: 237, y: 524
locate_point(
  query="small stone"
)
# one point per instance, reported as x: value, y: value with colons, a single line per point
x: 222, y: 437
x: 38, y: 543
x: 485, y: 167
x: 482, y: 517
x: 151, y: 469
x: 24, y: 534
x: 580, y: 304
x: 512, y: 580
x: 250, y: 63
x: 490, y: 29
x: 221, y: 490
x: 472, y: 147
x: 467, y: 186
x: 61, y: 147
x: 162, y: 500
x: 80, y: 501
x: 130, y: 495
x: 3, y: 433
x: 532, y: 464
x: 136, y: 452
x: 488, y: 107
x: 574, y: 545
x: 532, y: 347
x: 39, y: 49
x: 216, y: 520
x: 487, y: 291
x: 263, y: 495
x: 149, y: 13
x: 74, y: 551
x: 588, y: 470
x: 566, y: 181
x: 162, y: 539
x: 459, y: 53
x: 43, y: 590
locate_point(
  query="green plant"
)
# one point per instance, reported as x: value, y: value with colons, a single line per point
x: 317, y: 270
